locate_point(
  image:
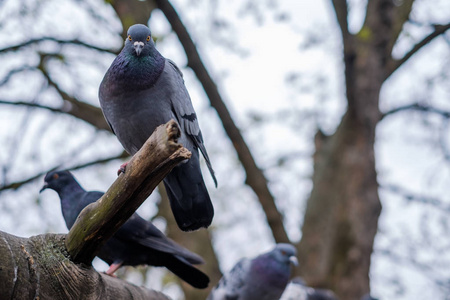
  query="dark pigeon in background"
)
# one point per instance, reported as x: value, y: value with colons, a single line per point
x: 368, y: 297
x: 298, y: 290
x: 262, y: 278
x: 137, y: 242
x: 142, y: 90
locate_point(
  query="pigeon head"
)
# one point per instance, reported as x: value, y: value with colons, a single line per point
x: 139, y: 40
x: 285, y: 254
x: 57, y: 180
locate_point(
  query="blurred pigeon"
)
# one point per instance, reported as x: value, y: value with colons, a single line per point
x: 142, y: 90
x: 297, y: 290
x: 136, y: 242
x: 368, y: 297
x: 262, y: 278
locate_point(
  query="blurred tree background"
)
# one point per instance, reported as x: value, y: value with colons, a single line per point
x: 315, y: 113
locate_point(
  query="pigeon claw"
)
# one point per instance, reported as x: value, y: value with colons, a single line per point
x: 122, y: 168
x: 173, y: 130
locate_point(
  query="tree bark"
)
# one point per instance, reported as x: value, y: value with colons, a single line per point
x: 40, y: 267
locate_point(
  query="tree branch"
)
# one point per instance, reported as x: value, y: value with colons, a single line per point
x: 79, y: 109
x: 18, y: 184
x: 397, y: 63
x: 400, y: 13
x: 33, y: 105
x: 255, y: 176
x: 100, y: 220
x: 417, y: 107
x: 62, y: 42
x: 341, y: 10
x: 412, y: 197
x: 40, y: 268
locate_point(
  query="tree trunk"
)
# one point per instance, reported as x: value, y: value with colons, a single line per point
x: 341, y: 217
x: 342, y: 213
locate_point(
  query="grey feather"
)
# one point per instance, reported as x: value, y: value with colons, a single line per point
x: 261, y: 278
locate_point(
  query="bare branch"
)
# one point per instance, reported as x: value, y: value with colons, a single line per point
x: 397, y: 63
x: 413, y: 197
x: 401, y: 13
x: 100, y: 220
x: 15, y: 71
x: 255, y: 176
x: 417, y: 107
x: 74, y: 107
x: 33, y: 105
x: 341, y: 10
x: 62, y: 42
x: 18, y: 184
x: 79, y: 109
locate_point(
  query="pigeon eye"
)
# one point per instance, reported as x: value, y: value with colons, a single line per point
x: 148, y: 39
x: 55, y: 176
x: 129, y: 37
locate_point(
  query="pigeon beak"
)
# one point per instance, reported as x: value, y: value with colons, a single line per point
x: 293, y: 260
x: 44, y: 187
x: 138, y: 46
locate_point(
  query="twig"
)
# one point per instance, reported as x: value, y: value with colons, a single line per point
x: 396, y: 63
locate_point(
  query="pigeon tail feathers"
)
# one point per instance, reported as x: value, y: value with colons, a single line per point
x: 188, y: 273
x: 189, y: 198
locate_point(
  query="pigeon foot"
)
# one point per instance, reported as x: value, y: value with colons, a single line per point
x: 112, y: 269
x: 122, y: 168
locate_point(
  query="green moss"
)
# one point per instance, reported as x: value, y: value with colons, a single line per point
x: 365, y: 34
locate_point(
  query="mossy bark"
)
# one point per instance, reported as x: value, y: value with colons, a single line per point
x: 40, y: 267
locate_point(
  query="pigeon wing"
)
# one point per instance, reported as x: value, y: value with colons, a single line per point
x: 231, y: 285
x: 138, y: 230
x: 184, y: 112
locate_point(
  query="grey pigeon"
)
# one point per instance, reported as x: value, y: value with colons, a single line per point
x: 262, y: 278
x: 298, y: 290
x: 368, y: 297
x: 142, y: 90
x: 137, y: 242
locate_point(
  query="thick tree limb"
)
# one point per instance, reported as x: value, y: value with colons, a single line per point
x: 255, y: 176
x: 132, y: 12
x: 100, y: 220
x: 397, y: 63
x: 40, y: 268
